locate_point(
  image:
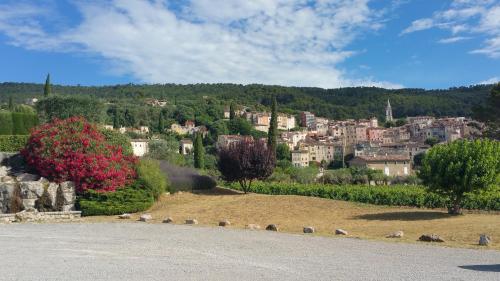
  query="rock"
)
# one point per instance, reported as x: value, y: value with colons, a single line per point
x: 430, y: 238
x: 272, y: 227
x: 68, y: 189
x: 224, y: 223
x: 4, y: 171
x: 28, y: 215
x: 5, y: 220
x: 124, y: 216
x: 309, y: 229
x: 191, y: 221
x: 339, y: 231
x: 29, y: 203
x: 7, y: 179
x: 484, y: 240
x: 145, y: 217
x: 168, y: 220
x: 31, y: 189
x: 253, y: 226
x: 52, y: 191
x: 397, y: 234
x: 27, y: 177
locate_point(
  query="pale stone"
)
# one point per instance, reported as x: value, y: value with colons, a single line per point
x: 7, y: 179
x: 31, y: 189
x: 430, y: 238
x: 168, y: 220
x: 253, y: 226
x: 484, y: 240
x: 124, y: 216
x: 397, y: 234
x: 272, y: 227
x: 29, y: 203
x: 145, y: 217
x: 340, y: 231
x: 4, y: 171
x: 68, y: 189
x: 309, y: 229
x: 224, y: 223
x: 191, y: 221
x: 27, y: 177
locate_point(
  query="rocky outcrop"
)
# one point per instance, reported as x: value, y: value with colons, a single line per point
x: 431, y: 238
x: 23, y: 191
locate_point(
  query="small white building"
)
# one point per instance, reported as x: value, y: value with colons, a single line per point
x: 300, y: 158
x: 108, y: 127
x: 186, y: 146
x: 140, y: 147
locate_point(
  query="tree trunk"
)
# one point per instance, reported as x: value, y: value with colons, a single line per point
x: 456, y: 207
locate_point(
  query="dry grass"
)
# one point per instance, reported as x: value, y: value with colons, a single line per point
x: 292, y: 213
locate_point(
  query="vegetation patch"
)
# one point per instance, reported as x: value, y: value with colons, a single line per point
x: 13, y: 143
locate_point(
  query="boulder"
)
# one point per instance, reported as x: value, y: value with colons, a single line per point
x: 52, y: 191
x: 168, y: 220
x: 224, y: 223
x: 29, y: 203
x: 31, y: 189
x: 340, y: 231
x: 253, y: 226
x: 272, y: 227
x: 309, y: 229
x: 191, y: 221
x: 484, y: 240
x: 5, y: 220
x: 4, y: 171
x: 397, y: 234
x: 145, y: 217
x: 430, y: 238
x: 28, y: 215
x: 68, y: 189
x: 27, y: 177
x: 7, y: 179
x: 124, y: 216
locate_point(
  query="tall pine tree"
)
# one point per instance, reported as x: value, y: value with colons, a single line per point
x: 232, y: 113
x: 115, y: 119
x: 161, y: 126
x: 199, y: 152
x: 46, y: 89
x: 11, y: 104
x: 273, y: 127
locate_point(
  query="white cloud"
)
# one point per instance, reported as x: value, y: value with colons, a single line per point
x: 287, y: 42
x: 453, y: 39
x: 466, y: 17
x: 492, y: 80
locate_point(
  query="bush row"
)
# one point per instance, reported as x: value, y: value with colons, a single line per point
x: 395, y: 195
x: 13, y: 143
x: 16, y: 123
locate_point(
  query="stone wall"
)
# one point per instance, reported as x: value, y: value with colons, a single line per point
x: 23, y: 191
x: 32, y: 215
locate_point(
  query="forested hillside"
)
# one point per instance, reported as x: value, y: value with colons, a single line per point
x: 342, y: 103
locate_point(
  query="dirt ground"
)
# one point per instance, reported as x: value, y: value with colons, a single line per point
x: 292, y: 213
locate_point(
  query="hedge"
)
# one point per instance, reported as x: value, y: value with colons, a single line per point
x: 150, y: 184
x: 13, y: 143
x: 394, y: 195
x: 16, y: 123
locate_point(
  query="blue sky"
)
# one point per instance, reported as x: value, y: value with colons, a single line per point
x: 324, y: 43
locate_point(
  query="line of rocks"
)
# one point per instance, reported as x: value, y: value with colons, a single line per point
x: 484, y: 239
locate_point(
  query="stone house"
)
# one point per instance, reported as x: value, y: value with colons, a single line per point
x: 140, y: 147
x: 390, y: 165
x: 186, y: 146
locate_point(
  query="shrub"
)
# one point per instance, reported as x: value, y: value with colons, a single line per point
x: 396, y: 195
x: 116, y: 138
x: 75, y: 150
x: 16, y: 123
x: 341, y: 176
x: 151, y: 177
x: 13, y: 143
x: 131, y: 199
x: 60, y: 107
x: 5, y: 123
x: 304, y: 175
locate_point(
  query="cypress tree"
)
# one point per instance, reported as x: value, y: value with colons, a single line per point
x: 232, y: 113
x: 46, y: 89
x: 199, y: 152
x: 115, y: 119
x: 273, y: 127
x: 11, y: 104
x: 161, y: 126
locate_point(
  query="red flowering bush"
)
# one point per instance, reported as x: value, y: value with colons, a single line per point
x: 73, y: 149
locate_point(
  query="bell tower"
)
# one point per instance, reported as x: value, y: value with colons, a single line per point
x: 388, y: 112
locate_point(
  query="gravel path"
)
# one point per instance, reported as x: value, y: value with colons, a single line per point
x: 140, y: 251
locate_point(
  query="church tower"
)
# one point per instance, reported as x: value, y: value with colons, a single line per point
x: 388, y: 112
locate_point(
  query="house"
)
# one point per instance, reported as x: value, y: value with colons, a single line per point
x: 390, y: 165
x: 261, y: 127
x: 227, y: 140
x: 307, y: 119
x: 140, y: 147
x: 286, y: 122
x: 300, y: 158
x: 186, y: 146
x: 31, y: 101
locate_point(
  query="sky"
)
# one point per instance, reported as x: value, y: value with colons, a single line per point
x: 318, y: 43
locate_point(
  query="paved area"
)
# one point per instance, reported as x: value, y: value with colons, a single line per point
x: 140, y: 251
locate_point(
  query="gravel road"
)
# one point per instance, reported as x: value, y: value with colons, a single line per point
x: 141, y: 251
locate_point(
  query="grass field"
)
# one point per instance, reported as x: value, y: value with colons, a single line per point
x: 292, y: 213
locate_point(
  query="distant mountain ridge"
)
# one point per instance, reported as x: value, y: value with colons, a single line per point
x: 340, y: 103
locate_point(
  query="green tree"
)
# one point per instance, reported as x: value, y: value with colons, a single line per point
x: 116, y: 124
x: 273, y: 127
x: 62, y: 107
x: 11, y: 104
x: 283, y: 152
x: 461, y: 167
x: 489, y: 113
x: 47, y: 89
x: 161, y: 125
x: 432, y: 141
x: 199, y: 152
x: 232, y: 113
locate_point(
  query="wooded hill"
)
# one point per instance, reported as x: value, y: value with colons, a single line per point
x: 341, y: 103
